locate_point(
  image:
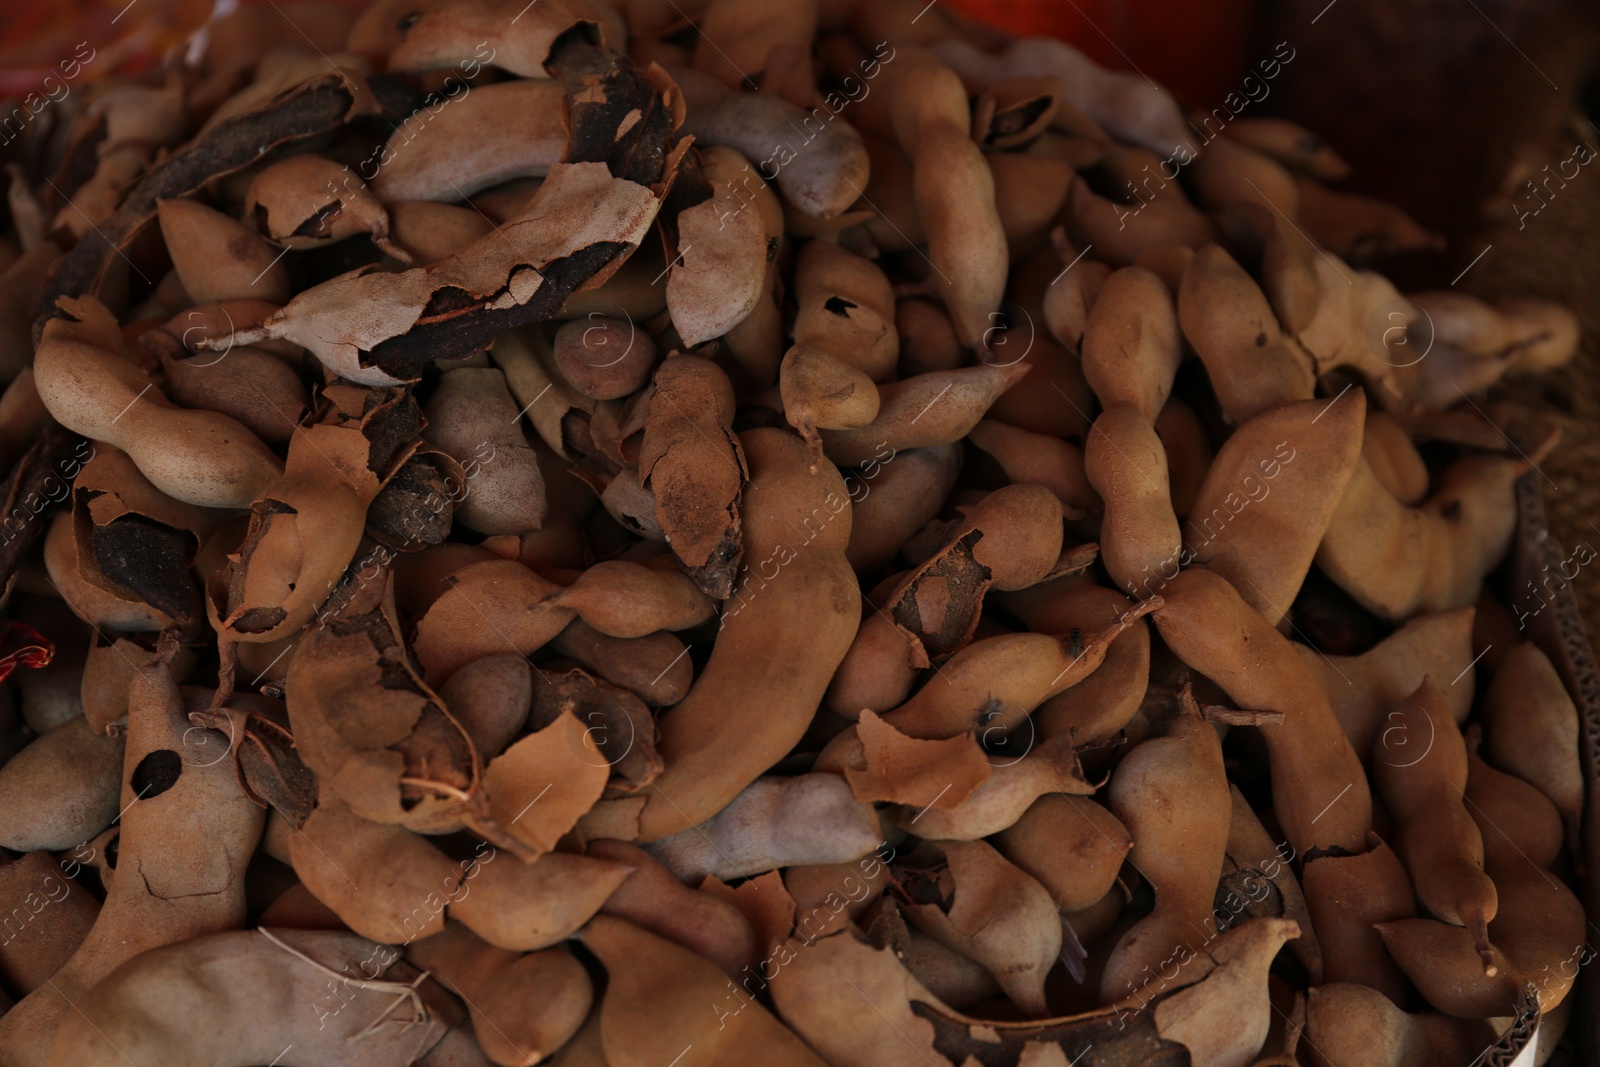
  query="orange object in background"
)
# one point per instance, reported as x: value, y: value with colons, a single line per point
x: 1199, y: 49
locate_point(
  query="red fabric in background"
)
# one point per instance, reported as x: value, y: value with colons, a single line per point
x: 1196, y: 48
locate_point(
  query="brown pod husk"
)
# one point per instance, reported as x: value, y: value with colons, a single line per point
x: 308, y: 200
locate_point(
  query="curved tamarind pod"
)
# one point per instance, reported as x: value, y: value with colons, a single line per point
x: 429, y: 232
x: 1548, y: 333
x: 473, y: 409
x: 1288, y: 266
x: 1171, y: 793
x: 1362, y: 322
x: 797, y: 597
x: 527, y: 359
x: 1131, y: 343
x: 490, y: 698
x: 450, y: 634
x: 490, y: 134
x: 1189, y: 456
x: 947, y: 974
x: 1527, y: 717
x: 1536, y: 935
x: 1229, y: 172
x: 1130, y: 108
x: 718, y: 275
x: 437, y: 34
x: 1290, y: 144
x: 108, y: 671
x: 209, y: 322
x: 1397, y: 561
x: 1050, y: 768
x: 1058, y: 400
x: 1358, y: 227
x: 1125, y: 462
x: 1347, y: 895
x: 523, y: 1007
x: 897, y: 498
x: 657, y: 993
x: 1039, y: 459
x: 1226, y: 318
x: 276, y: 991
x: 1351, y: 1025
x: 189, y: 832
x: 881, y: 665
x: 653, y: 667
x: 929, y: 409
x: 1069, y: 298
x: 736, y: 39
x: 1513, y: 816
x: 57, y: 914
x: 1419, y: 767
x: 61, y: 789
x: 1394, y: 459
x: 653, y: 900
x: 199, y: 457
x: 1210, y: 627
x: 85, y: 589
x: 1363, y: 688
x: 1253, y: 854
x: 606, y: 359
x: 1101, y: 704
x: 308, y: 200
x: 954, y: 191
x: 822, y: 390
x: 1029, y: 192
x: 1264, y: 544
x: 846, y: 308
x: 217, y: 258
x: 624, y: 599
x: 996, y: 682
x: 257, y: 389
x: 1121, y: 233
x: 1072, y: 845
x: 821, y: 177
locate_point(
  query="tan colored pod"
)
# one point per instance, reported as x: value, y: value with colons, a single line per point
x: 490, y: 698
x: 718, y: 275
x: 256, y: 388
x: 1351, y: 1025
x: 1531, y: 730
x: 199, y: 457
x: 1039, y: 459
x: 1189, y: 455
x: 61, y: 789
x: 473, y: 418
x: 1352, y: 225
x: 794, y: 613
x: 624, y: 599
x: 891, y: 500
x: 1347, y: 895
x: 1514, y: 817
x: 736, y: 39
x: 308, y: 200
x: 429, y: 232
x: 443, y: 32
x: 1050, y: 768
x: 1058, y: 400
x: 1127, y: 465
x: 1229, y: 172
x: 1290, y: 144
x: 604, y: 358
x: 1131, y: 342
x: 85, y: 589
x: 822, y: 391
x: 1069, y: 299
x: 846, y: 308
x: 878, y: 671
x: 1072, y: 845
x: 1029, y: 191
x: 50, y: 915
x: 654, y: 668
x: 930, y: 409
x: 514, y: 598
x: 1394, y: 459
x: 219, y: 259
x: 1122, y: 233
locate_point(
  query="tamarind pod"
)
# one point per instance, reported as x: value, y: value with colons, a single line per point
x: 997, y: 682
x: 821, y: 179
x: 471, y: 409
x: 1127, y: 465
x: 60, y: 789
x: 991, y: 912
x: 1121, y: 233
x: 85, y: 589
x: 490, y: 698
x: 717, y: 277
x: 1131, y: 343
x: 441, y: 32
x: 220, y: 320
x: 947, y: 974
x: 56, y: 913
x: 821, y: 390
x: 490, y: 134
x: 1359, y: 227
x: 1211, y: 628
x: 1548, y: 333
x: 653, y: 667
x: 217, y: 258
x: 896, y: 226
x: 1189, y: 455
x: 1396, y: 561
x: 1539, y: 926
x: 108, y: 670
x: 1229, y: 172
x: 656, y: 995
x: 1069, y: 300
x: 1346, y: 896
x: 929, y: 409
x: 1423, y: 791
x: 1264, y: 544
x: 1130, y: 108
x: 1227, y: 320
x: 898, y: 497
x: 1361, y: 689
x: 653, y: 900
x: 429, y: 232
x: 22, y: 417
x: 1513, y: 816
x: 198, y: 457
x: 1288, y: 265
x: 423, y: 576
x: 1362, y: 322
x: 1350, y: 1025
x: 530, y: 906
x: 1394, y: 460
x: 735, y: 39
x: 1029, y: 192
x: 1171, y: 793
x: 954, y: 193
x: 1253, y: 852
x: 1071, y: 845
x: 1017, y: 538
x: 1101, y: 704
x: 260, y: 996
x: 846, y: 308
x: 188, y: 831
x: 1528, y: 717
x: 1204, y: 1017
x: 604, y: 358
x: 880, y: 667
x: 773, y: 822
x: 801, y: 598
x: 1057, y: 375
x: 815, y: 890
x: 1039, y: 459
x: 1049, y: 768
x: 623, y: 599
x: 309, y: 200
x: 258, y: 390
x: 523, y: 1007
x: 1290, y: 144
x: 1019, y: 110
x: 765, y: 904
x: 450, y: 634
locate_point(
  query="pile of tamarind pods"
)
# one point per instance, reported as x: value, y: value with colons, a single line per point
x: 652, y: 532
